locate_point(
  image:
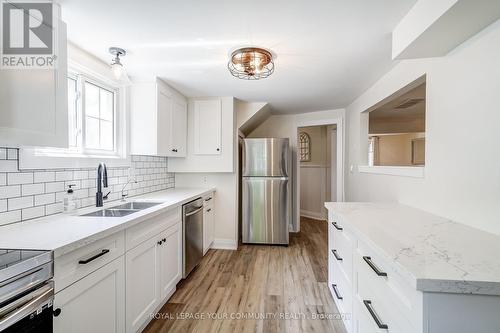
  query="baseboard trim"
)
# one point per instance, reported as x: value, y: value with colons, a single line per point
x: 224, y: 244
x: 312, y: 215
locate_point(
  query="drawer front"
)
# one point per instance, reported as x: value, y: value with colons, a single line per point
x: 341, y: 291
x: 79, y: 263
x: 377, y: 304
x: 390, y: 286
x: 208, y: 200
x: 341, y: 245
x: 143, y: 231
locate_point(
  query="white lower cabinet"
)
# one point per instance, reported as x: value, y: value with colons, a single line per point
x: 102, y: 288
x: 95, y: 303
x: 153, y: 270
x: 143, y: 282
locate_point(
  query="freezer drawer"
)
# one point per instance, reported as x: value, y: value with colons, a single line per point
x: 266, y: 210
x: 265, y: 157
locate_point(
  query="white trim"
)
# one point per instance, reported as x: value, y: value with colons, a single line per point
x: 312, y: 215
x: 403, y: 171
x: 339, y: 121
x: 224, y: 244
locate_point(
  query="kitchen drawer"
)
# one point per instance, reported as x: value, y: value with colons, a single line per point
x: 79, y: 263
x: 208, y: 200
x: 390, y: 290
x: 145, y: 230
x: 341, y: 244
x: 386, y: 308
x: 341, y: 291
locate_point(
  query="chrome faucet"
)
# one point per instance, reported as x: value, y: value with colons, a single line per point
x: 102, y: 180
x: 124, y: 186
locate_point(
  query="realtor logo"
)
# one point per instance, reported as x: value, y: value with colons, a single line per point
x: 27, y: 34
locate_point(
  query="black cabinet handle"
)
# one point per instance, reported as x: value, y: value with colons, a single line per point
x: 164, y: 240
x: 208, y: 199
x: 337, y: 226
x: 370, y: 263
x: 218, y: 149
x: 335, y: 290
x: 336, y: 255
x: 209, y: 210
x: 159, y: 242
x: 174, y: 150
x: 374, y: 315
x: 57, y: 312
x: 86, y: 261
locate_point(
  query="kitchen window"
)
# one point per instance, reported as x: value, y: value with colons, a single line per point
x: 91, y: 116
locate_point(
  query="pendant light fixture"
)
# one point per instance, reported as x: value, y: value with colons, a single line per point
x: 251, y: 63
x: 116, y: 65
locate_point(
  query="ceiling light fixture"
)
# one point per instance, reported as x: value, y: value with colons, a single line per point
x: 116, y: 65
x: 251, y: 63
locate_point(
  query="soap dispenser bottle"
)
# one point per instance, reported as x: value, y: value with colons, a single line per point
x: 69, y: 201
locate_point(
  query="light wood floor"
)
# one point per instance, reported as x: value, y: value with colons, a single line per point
x: 257, y: 280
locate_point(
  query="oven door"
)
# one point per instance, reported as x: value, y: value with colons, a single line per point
x: 29, y: 313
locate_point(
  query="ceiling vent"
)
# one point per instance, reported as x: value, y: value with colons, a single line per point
x: 409, y: 103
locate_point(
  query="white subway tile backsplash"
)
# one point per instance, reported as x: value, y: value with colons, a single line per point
x: 19, y: 203
x: 12, y: 154
x: 26, y: 195
x: 64, y: 175
x: 31, y: 189
x: 20, y: 178
x: 8, y: 165
x: 31, y: 213
x: 54, y: 187
x: 45, y: 199
x: 10, y: 191
x: 10, y: 217
x: 45, y: 176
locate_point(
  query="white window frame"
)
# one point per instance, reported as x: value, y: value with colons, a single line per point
x: 42, y: 158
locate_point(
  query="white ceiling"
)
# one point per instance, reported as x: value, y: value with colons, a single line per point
x: 328, y: 51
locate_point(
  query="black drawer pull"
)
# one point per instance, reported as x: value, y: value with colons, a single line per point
x: 374, y: 315
x: 370, y: 263
x: 209, y: 210
x: 337, y: 226
x: 336, y: 291
x: 336, y: 255
x: 86, y: 261
x: 208, y: 199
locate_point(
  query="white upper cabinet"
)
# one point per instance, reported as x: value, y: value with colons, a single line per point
x: 34, y: 103
x: 158, y: 120
x: 207, y: 127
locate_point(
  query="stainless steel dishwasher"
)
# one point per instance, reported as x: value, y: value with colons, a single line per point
x: 192, y: 235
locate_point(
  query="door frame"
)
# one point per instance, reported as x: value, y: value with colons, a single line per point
x: 339, y: 189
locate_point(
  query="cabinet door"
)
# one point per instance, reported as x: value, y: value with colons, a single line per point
x: 164, y: 123
x: 207, y: 127
x: 96, y: 303
x: 208, y: 228
x: 142, y: 283
x: 179, y: 128
x: 34, y: 103
x: 170, y: 260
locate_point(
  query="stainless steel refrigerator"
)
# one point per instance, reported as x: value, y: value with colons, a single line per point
x: 266, y: 191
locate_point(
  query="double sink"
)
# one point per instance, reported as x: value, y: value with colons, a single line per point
x: 123, y: 209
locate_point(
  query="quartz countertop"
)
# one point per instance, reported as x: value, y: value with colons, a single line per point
x: 433, y: 253
x: 63, y: 233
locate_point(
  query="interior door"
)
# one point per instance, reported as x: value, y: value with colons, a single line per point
x: 96, y: 303
x: 142, y: 283
x: 266, y: 211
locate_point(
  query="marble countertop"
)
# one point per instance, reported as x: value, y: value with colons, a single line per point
x: 63, y: 233
x: 433, y: 253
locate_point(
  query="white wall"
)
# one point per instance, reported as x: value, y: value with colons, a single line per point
x: 462, y: 169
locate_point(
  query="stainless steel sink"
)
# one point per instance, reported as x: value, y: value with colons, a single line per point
x: 111, y: 212
x: 123, y: 209
x: 136, y: 205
